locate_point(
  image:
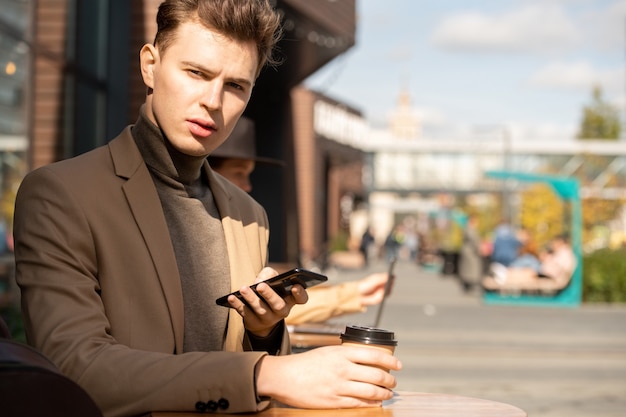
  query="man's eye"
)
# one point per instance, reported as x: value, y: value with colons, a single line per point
x: 236, y: 86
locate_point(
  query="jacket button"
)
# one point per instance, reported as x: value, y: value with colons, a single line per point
x: 201, y: 406
x: 211, y: 406
x: 223, y: 404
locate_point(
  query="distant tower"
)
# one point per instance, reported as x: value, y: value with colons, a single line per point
x: 403, y: 120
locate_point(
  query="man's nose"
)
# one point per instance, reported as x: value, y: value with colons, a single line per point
x: 212, y: 95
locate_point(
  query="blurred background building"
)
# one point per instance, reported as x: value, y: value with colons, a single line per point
x: 70, y: 82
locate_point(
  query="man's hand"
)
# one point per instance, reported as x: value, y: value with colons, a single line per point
x: 328, y: 377
x: 372, y: 288
x: 261, y: 315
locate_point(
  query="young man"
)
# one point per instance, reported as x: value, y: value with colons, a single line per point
x: 235, y: 160
x: 118, y: 287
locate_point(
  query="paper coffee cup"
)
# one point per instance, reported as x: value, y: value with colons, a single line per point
x: 370, y: 337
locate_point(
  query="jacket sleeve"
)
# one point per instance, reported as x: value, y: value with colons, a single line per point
x: 78, y: 285
x: 326, y: 302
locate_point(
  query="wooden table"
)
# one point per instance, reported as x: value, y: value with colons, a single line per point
x: 404, y: 404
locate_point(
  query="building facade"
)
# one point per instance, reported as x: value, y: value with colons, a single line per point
x: 329, y: 170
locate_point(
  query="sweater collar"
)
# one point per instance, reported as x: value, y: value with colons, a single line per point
x: 161, y: 156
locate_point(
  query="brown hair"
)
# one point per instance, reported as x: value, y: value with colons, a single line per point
x: 239, y: 19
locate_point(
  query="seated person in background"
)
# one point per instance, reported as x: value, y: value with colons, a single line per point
x: 557, y: 265
x: 559, y: 262
x: 236, y: 160
x: 528, y: 254
x: 121, y: 251
x: 505, y: 244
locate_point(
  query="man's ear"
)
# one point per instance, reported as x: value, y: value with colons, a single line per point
x: 148, y: 58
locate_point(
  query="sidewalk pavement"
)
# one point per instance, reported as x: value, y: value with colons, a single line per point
x: 549, y: 361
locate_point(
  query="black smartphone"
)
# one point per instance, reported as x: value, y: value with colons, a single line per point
x: 282, y: 284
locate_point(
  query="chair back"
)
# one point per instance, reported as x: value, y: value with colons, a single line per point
x: 31, y: 385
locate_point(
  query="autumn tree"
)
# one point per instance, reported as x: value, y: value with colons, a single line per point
x: 542, y: 213
x: 600, y: 119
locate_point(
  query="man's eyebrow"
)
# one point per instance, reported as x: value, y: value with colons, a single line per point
x: 243, y: 81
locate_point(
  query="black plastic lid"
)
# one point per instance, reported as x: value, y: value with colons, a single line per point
x: 369, y: 336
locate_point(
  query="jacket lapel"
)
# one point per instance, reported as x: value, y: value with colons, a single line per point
x: 142, y: 199
x: 242, y: 270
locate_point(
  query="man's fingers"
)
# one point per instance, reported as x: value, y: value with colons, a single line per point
x: 273, y: 300
x: 256, y: 303
x: 372, y: 356
x: 300, y: 295
x: 236, y: 303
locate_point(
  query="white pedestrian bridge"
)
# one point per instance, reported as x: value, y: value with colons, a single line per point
x: 459, y: 166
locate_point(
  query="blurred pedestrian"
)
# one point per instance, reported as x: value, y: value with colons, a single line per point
x: 393, y: 242
x: 470, y: 257
x: 367, y: 240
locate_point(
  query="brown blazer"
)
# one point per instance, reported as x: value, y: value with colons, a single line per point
x: 101, y: 293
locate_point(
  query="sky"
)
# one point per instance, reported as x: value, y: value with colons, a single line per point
x: 527, y: 66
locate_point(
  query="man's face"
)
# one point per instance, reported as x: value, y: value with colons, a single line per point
x: 238, y: 172
x: 200, y: 86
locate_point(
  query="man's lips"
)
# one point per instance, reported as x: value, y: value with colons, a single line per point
x: 200, y: 128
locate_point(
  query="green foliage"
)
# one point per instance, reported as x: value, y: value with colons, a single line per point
x: 604, y: 276
x: 600, y: 119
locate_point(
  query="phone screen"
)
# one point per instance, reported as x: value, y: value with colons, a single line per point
x: 282, y: 284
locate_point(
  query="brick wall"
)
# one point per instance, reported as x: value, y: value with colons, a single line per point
x: 46, y: 139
